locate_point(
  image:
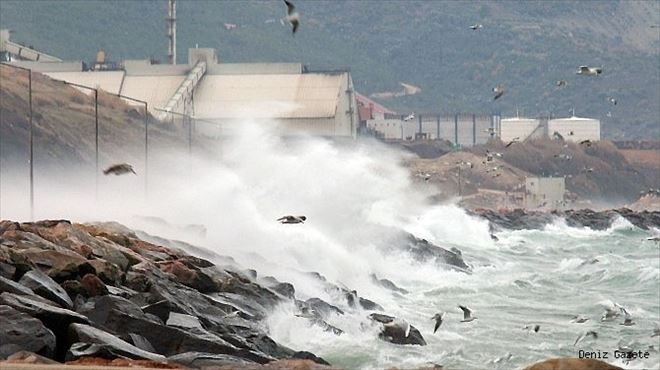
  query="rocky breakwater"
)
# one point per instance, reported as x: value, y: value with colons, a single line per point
x: 70, y: 292
x: 519, y: 219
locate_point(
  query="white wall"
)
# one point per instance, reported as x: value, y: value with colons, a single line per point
x: 544, y: 190
x: 581, y: 128
x: 517, y: 127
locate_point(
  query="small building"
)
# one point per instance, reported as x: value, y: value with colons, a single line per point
x: 544, y: 192
x: 575, y: 129
x: 521, y: 128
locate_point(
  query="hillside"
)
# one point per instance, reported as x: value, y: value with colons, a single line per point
x: 64, y: 126
x: 600, y: 174
x: 525, y: 45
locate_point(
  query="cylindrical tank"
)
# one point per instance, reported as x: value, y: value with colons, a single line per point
x: 100, y: 57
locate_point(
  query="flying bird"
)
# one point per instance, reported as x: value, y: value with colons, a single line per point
x: 557, y: 136
x: 536, y: 328
x: 477, y: 26
x: 119, y: 169
x: 610, y: 314
x: 582, y: 336
x: 467, y: 314
x: 513, y: 141
x: 561, y: 83
x: 579, y: 319
x: 409, y: 117
x: 589, y: 71
x: 656, y: 332
x: 292, y: 219
x: 586, y: 142
x: 499, y: 90
x: 292, y: 16
x: 612, y: 100
x: 438, y: 320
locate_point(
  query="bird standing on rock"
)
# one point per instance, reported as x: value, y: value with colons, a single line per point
x: 119, y: 169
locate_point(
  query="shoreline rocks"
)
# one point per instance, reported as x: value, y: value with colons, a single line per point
x: 74, y: 292
x: 519, y: 219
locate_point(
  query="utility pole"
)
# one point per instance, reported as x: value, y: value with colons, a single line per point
x: 171, y: 31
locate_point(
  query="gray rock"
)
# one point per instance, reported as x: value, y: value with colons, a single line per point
x: 80, y: 333
x: 46, y: 287
x: 198, y: 360
x: 184, y: 321
x: 140, y: 342
x: 21, y: 332
x: 7, y: 285
x: 395, y: 332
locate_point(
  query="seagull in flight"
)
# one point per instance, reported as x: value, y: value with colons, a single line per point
x: 612, y: 100
x: 582, y: 336
x: 530, y: 327
x: 586, y: 142
x: 438, y: 320
x: 589, y: 71
x: 477, y: 26
x: 499, y: 90
x: 292, y: 219
x: 119, y: 169
x: 579, y: 319
x: 513, y: 141
x: 561, y: 83
x: 409, y: 117
x: 292, y: 16
x: 467, y: 314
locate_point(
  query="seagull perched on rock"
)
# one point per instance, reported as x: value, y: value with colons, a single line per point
x: 499, y: 90
x: 467, y: 314
x: 119, y: 169
x: 582, y: 336
x: 438, y: 320
x: 477, y: 26
x: 292, y: 16
x: 292, y: 219
x: 589, y: 71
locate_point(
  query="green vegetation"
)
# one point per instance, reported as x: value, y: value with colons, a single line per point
x: 525, y: 45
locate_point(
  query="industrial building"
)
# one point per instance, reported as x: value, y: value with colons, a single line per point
x: 544, y: 192
x: 575, y: 129
x: 521, y: 128
x: 287, y: 97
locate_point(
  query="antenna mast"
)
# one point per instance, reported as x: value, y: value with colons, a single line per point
x: 171, y: 31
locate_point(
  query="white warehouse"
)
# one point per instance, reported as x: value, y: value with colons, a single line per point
x: 575, y: 128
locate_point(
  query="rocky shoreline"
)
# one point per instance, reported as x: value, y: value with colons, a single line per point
x: 105, y: 295
x: 518, y: 219
x: 73, y: 293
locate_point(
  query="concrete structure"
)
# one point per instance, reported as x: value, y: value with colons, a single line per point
x: 9, y: 48
x: 575, y: 128
x: 522, y: 128
x: 285, y: 96
x: 544, y: 192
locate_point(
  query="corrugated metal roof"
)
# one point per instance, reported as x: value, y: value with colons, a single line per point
x: 109, y: 81
x: 268, y: 96
x: 155, y: 90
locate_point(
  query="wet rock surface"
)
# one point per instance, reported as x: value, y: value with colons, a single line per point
x: 100, y: 292
x: 519, y: 219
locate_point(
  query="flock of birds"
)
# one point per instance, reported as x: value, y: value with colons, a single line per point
x: 610, y: 314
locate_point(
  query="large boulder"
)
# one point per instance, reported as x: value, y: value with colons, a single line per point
x: 424, y: 251
x: 87, y: 340
x: 60, y: 264
x: 394, y: 331
x: 189, y: 276
x: 54, y: 318
x: 21, y: 332
x: 43, y: 285
x: 198, y: 360
x: 7, y: 285
x: 572, y: 364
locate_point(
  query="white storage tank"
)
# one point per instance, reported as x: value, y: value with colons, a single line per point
x: 575, y: 128
x: 510, y: 128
